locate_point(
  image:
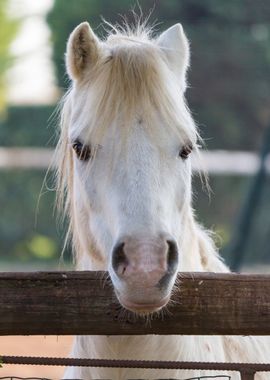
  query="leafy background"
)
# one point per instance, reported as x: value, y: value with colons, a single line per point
x: 229, y: 96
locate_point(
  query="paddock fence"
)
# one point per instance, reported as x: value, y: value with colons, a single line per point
x: 83, y: 303
x: 216, y: 162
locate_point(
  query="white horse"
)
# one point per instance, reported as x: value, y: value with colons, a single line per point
x: 124, y: 174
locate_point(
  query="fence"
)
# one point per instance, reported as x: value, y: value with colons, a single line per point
x: 63, y: 303
x: 218, y: 162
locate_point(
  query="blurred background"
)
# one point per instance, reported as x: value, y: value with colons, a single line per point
x: 229, y: 96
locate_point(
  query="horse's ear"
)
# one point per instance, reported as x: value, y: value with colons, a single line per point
x: 175, y: 45
x: 82, y: 51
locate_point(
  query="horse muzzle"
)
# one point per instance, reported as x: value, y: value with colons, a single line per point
x: 143, y: 272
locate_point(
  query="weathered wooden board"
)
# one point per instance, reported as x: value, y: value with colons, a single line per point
x: 64, y: 303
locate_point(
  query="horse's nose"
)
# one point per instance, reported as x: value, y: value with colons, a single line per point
x: 153, y: 261
x: 119, y: 259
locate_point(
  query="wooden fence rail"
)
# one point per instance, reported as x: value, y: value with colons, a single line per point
x: 216, y: 162
x: 63, y: 303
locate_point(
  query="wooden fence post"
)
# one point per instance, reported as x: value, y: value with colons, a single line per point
x: 247, y: 375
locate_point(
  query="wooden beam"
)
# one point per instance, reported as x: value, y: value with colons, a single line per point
x: 63, y: 303
x: 25, y: 158
x: 216, y: 162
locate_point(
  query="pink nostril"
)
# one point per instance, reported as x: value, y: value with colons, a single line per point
x: 119, y: 259
x: 152, y: 260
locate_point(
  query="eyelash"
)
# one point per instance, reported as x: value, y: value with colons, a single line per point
x: 82, y: 151
x: 185, y: 151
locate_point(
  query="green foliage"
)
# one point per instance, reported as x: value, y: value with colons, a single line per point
x: 220, y: 214
x: 27, y: 222
x: 8, y: 30
x: 28, y: 229
x: 29, y: 126
x: 39, y: 246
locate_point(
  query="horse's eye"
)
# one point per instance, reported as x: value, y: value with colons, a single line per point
x: 82, y: 151
x: 185, y: 151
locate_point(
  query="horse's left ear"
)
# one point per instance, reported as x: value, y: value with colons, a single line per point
x: 82, y: 51
x: 174, y: 44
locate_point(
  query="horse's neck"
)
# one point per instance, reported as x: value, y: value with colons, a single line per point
x: 197, y: 249
x: 149, y: 347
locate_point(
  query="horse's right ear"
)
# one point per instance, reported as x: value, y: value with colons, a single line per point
x: 82, y: 51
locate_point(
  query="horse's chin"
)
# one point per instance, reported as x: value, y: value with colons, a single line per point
x: 144, y: 308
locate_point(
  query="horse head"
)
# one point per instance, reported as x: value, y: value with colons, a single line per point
x: 124, y: 160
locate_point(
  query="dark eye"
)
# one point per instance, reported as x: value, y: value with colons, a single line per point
x: 82, y: 151
x: 185, y: 151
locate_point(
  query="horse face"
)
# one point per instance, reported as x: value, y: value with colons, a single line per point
x: 131, y: 186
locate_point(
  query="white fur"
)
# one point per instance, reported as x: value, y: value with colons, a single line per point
x: 175, y: 46
x: 127, y: 102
